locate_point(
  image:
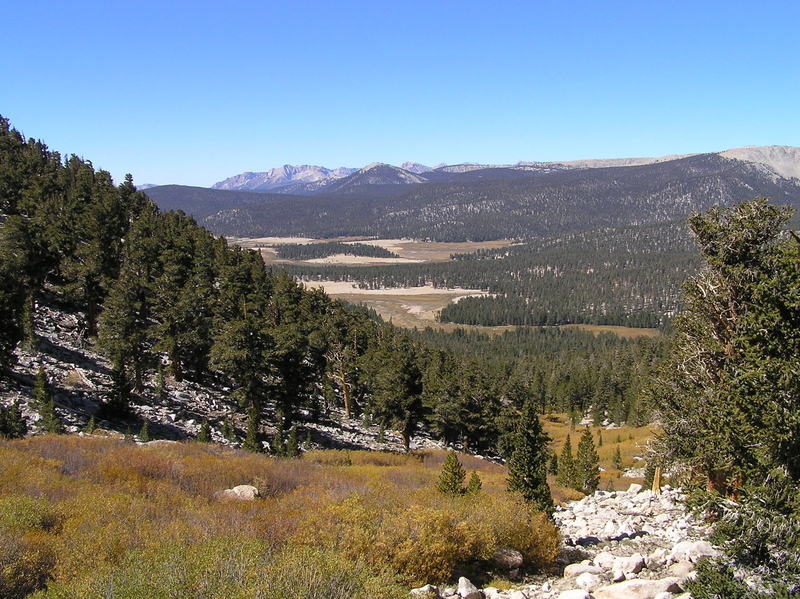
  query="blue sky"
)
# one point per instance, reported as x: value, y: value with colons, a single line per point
x: 193, y: 92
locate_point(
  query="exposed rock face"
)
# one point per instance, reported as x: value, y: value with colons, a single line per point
x: 621, y: 545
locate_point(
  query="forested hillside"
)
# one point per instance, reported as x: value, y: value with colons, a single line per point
x: 155, y: 292
x: 624, y: 276
x: 498, y: 205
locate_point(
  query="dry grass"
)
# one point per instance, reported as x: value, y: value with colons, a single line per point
x: 418, y: 251
x: 631, y: 442
x: 95, y: 513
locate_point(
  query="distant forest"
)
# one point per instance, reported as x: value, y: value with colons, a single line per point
x: 622, y: 276
x: 312, y: 251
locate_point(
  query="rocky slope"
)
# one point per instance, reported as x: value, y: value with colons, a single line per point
x: 616, y: 545
x: 80, y: 380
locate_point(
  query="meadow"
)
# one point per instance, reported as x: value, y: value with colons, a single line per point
x: 84, y: 517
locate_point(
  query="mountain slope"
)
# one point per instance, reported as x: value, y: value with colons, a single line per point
x: 283, y: 176
x: 538, y: 204
x: 783, y: 160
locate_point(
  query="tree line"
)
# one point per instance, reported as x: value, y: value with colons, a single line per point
x: 311, y: 251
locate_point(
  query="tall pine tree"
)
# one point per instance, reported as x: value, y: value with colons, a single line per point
x: 587, y: 463
x: 527, y: 467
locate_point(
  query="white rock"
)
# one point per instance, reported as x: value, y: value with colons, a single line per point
x: 657, y: 559
x: 428, y: 589
x: 626, y: 529
x: 517, y: 595
x: 638, y: 589
x: 630, y: 565
x: 634, y: 488
x: 577, y: 569
x: 681, y: 569
x: 664, y: 595
x: 692, y: 551
x: 618, y: 575
x: 588, y: 581
x: 492, y: 592
x: 507, y: 558
x: 604, y: 560
x: 467, y: 590
x: 575, y: 594
x: 241, y: 492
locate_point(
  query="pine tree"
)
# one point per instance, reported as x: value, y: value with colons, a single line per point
x: 128, y: 437
x: 587, y: 463
x: 144, y: 432
x: 728, y: 394
x: 451, y: 478
x: 600, y: 438
x: 12, y: 424
x: 228, y: 430
x: 252, y: 441
x: 49, y: 421
x: 567, y: 472
x: 293, y: 445
x: 617, y: 459
x: 118, y: 404
x: 474, y: 485
x: 308, y: 443
x: 204, y: 434
x: 91, y: 426
x: 553, y: 469
x: 527, y: 467
x: 41, y: 393
x: 381, y: 437
x: 278, y: 446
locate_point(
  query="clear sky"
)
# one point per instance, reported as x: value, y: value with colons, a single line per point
x: 193, y: 92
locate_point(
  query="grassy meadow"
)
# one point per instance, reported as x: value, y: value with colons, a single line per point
x: 631, y: 441
x: 84, y: 517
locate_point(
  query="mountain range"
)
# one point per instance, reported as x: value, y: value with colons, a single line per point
x: 310, y: 179
x: 480, y: 202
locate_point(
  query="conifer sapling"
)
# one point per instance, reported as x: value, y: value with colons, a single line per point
x: 451, y: 478
x: 293, y: 444
x: 474, y: 485
x: 204, y: 434
x: 587, y: 463
x: 144, y: 432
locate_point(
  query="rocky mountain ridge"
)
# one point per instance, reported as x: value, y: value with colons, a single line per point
x: 301, y: 179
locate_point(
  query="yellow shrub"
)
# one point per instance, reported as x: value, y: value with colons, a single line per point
x: 424, y: 544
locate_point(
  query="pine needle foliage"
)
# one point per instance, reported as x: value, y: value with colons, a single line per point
x: 49, y: 421
x: 12, y: 424
x: 144, y: 432
x: 252, y: 440
x: 474, y: 485
x: 204, y: 434
x: 451, y: 478
x: 527, y: 467
x: 567, y: 471
x: 587, y: 463
x: 293, y: 443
